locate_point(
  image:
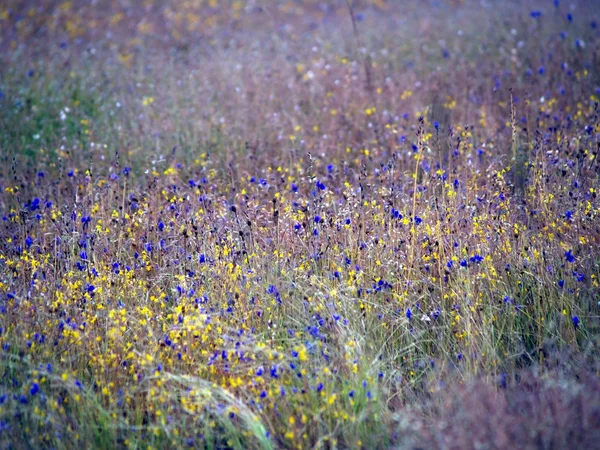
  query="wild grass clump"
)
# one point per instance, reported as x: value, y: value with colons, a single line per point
x: 319, y: 224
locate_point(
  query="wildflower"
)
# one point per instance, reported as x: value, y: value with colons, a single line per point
x: 569, y: 256
x: 476, y: 258
x: 575, y: 320
x: 35, y: 388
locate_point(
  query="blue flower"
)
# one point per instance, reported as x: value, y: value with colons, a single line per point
x: 476, y: 258
x: 575, y: 320
x: 569, y: 256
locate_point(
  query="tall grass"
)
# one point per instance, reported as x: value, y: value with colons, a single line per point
x: 298, y: 224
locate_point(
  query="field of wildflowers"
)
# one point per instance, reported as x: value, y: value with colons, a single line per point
x: 299, y: 224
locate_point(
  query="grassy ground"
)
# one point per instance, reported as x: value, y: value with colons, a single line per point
x: 241, y: 224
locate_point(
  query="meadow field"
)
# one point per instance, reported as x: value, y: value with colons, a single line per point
x: 260, y: 224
